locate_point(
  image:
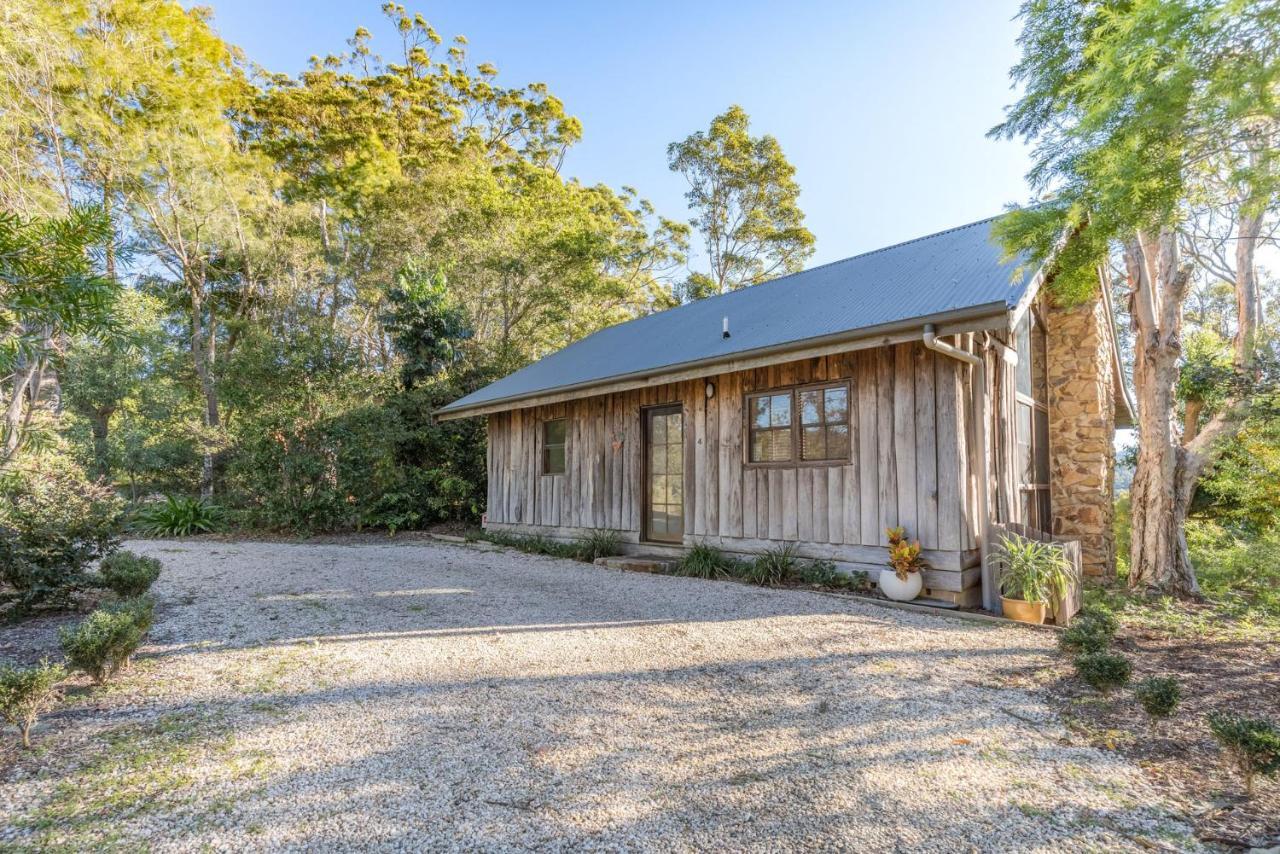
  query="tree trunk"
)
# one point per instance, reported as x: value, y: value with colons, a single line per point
x: 1160, y: 495
x: 99, y: 425
x: 202, y: 353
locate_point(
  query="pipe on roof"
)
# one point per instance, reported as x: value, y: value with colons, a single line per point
x: 990, y: 587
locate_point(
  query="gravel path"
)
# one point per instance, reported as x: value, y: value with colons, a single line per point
x: 429, y: 696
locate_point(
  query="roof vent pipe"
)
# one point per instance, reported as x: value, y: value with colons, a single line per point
x: 725, y: 334
x: 990, y: 583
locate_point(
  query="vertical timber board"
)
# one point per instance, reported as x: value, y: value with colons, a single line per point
x: 926, y: 450
x: 790, y: 518
x: 775, y: 502
x: 699, y: 464
x: 539, y: 492
x: 868, y: 453
x: 904, y: 431
x: 687, y: 398
x: 730, y: 394
x: 888, y: 466
x: 948, y: 435
x: 969, y: 394
x: 762, y: 503
x: 517, y: 457
x: 820, y: 518
x: 835, y: 504
x: 490, y: 456
x: 749, y: 509
x: 712, y: 452
x: 804, y: 505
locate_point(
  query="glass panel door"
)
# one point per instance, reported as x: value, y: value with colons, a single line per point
x: 664, y: 474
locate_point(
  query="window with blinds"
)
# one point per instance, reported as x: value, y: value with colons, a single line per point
x: 805, y: 424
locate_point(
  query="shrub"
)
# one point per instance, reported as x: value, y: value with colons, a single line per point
x: 1104, y: 670
x: 53, y: 523
x: 1159, y: 695
x: 1253, y: 744
x: 28, y: 692
x: 128, y: 574
x: 104, y: 641
x: 1088, y: 633
x: 1031, y: 570
x: 703, y: 561
x: 179, y: 516
x: 820, y: 572
x: 773, y: 566
x: 598, y: 544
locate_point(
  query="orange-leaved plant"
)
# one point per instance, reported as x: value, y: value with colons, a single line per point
x: 904, y: 555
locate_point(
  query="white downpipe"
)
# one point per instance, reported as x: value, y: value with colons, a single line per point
x: 990, y: 584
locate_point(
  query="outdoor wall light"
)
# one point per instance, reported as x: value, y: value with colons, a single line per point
x: 711, y: 390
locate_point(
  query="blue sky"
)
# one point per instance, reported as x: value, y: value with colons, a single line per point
x: 881, y: 107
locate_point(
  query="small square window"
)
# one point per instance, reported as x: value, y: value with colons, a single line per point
x: 553, y: 456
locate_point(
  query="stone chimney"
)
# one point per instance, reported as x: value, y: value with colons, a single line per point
x: 1082, y: 420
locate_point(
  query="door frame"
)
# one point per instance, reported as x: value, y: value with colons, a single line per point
x: 645, y: 412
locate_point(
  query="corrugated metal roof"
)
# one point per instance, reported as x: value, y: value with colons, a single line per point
x: 952, y: 270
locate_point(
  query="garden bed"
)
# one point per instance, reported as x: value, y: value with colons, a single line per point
x: 1225, y: 669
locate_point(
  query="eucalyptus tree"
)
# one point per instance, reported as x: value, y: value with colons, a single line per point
x: 1146, y: 115
x: 743, y: 192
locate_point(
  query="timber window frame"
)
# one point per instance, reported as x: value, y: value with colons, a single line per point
x: 1031, y: 423
x: 801, y: 421
x: 554, y: 455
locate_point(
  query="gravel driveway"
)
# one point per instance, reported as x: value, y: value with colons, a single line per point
x: 410, y: 696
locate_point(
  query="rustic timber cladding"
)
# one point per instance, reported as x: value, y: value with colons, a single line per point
x: 1082, y: 414
x: 910, y: 464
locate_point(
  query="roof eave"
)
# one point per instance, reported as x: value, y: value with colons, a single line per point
x: 992, y: 315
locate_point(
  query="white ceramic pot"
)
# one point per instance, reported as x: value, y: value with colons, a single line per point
x: 900, y: 591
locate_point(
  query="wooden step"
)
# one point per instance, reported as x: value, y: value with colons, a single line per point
x: 638, y: 563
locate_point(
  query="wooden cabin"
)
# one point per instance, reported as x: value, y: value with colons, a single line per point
x: 928, y: 385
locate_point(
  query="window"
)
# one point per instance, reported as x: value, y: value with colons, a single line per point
x: 1032, y: 425
x: 771, y: 428
x: 808, y: 424
x: 553, y: 446
x: 824, y: 423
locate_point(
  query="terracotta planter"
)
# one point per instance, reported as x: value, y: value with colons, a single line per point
x: 900, y: 591
x: 1025, y: 612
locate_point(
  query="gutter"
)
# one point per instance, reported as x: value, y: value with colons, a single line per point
x: 990, y: 597
x: 515, y: 401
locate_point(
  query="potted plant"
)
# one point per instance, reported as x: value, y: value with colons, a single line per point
x: 1032, y: 576
x: 904, y: 580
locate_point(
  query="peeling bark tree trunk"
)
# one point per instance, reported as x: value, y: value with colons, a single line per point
x: 1169, y: 465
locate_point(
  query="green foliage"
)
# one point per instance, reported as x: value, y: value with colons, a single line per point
x: 703, y: 561
x: 128, y: 574
x: 1239, y: 574
x: 743, y: 192
x: 425, y: 323
x: 598, y: 544
x: 1253, y: 744
x: 1084, y: 636
x: 1122, y: 147
x: 178, y: 516
x: 48, y: 289
x: 28, y: 692
x: 773, y: 566
x: 53, y: 524
x: 1159, y: 695
x: 1104, y: 670
x: 104, y: 641
x: 1032, y: 571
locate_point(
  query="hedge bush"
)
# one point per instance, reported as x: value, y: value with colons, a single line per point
x: 128, y: 574
x: 1158, y: 695
x: 54, y: 522
x: 1252, y: 743
x: 102, y: 644
x: 28, y: 692
x: 1104, y: 670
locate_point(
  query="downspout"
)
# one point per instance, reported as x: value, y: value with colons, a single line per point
x: 990, y: 597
